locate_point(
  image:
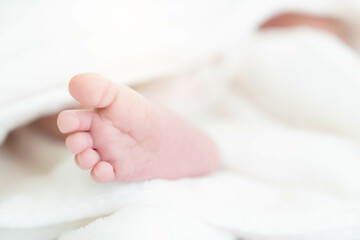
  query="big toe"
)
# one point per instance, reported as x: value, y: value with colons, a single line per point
x: 93, y: 90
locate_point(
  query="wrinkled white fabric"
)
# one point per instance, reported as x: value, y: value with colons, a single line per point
x: 282, y: 106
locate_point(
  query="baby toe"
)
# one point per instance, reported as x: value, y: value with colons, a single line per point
x: 87, y: 159
x: 78, y: 142
x: 74, y: 120
x: 92, y: 90
x: 103, y: 172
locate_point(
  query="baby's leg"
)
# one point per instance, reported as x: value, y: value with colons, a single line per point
x: 286, y: 20
x: 127, y: 138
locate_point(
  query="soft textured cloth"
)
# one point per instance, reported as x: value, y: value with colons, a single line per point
x: 282, y: 105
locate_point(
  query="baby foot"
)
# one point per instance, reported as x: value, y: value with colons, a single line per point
x: 127, y: 138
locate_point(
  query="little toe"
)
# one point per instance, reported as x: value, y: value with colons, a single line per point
x: 74, y: 120
x: 78, y: 142
x: 92, y: 90
x: 87, y: 159
x: 103, y: 172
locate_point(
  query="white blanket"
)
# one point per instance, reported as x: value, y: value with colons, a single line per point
x: 282, y: 105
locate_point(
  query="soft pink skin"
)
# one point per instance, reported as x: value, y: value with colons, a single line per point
x: 293, y: 19
x: 127, y: 138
